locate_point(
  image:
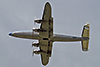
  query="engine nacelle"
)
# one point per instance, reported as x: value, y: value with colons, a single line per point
x: 37, y: 30
x: 35, y: 44
x: 37, y: 51
x: 39, y: 20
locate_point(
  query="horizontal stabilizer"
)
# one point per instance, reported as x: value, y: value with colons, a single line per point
x: 85, y: 45
x: 85, y: 33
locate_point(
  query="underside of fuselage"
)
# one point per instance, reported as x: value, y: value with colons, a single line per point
x: 56, y: 37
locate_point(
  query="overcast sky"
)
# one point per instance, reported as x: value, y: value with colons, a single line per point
x: 69, y: 18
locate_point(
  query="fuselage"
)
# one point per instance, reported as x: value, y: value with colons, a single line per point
x: 56, y: 37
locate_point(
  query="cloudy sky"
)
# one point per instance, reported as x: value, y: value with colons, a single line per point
x: 69, y: 17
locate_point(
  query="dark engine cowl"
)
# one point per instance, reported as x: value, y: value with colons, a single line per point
x: 35, y: 44
x: 37, y: 30
x: 39, y: 21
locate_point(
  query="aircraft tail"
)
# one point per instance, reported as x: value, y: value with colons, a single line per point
x: 85, y: 33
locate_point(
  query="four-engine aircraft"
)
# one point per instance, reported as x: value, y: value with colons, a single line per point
x: 45, y: 35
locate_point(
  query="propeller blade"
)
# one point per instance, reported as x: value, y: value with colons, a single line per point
x: 32, y: 44
x: 33, y: 20
x: 32, y: 54
x: 34, y: 23
x: 35, y: 17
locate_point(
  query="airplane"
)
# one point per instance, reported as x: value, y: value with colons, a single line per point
x: 46, y: 37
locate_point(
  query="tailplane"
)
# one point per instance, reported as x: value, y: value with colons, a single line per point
x: 85, y: 33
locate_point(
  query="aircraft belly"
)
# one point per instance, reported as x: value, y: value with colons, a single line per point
x: 27, y: 35
x: 32, y: 36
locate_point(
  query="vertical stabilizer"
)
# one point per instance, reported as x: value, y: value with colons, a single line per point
x: 85, y: 33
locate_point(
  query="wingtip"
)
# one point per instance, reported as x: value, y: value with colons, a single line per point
x: 44, y: 64
x: 48, y: 2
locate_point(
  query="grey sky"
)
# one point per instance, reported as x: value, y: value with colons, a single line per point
x: 69, y: 17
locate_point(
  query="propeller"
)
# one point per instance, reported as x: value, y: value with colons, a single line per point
x: 34, y: 23
x: 33, y: 52
x: 33, y: 49
x: 35, y: 41
x: 33, y: 20
x: 32, y: 43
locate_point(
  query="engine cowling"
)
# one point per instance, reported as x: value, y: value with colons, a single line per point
x: 38, y: 52
x: 37, y: 30
x: 39, y: 20
x: 41, y: 52
x: 35, y: 44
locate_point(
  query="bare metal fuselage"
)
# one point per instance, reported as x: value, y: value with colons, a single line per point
x: 56, y: 37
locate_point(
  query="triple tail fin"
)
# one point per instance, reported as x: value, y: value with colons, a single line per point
x: 85, y: 33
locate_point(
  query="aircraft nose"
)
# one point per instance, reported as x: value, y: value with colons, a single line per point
x: 10, y: 34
